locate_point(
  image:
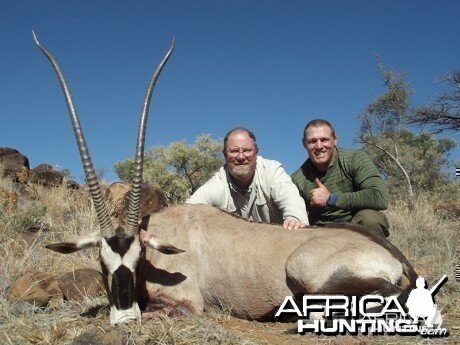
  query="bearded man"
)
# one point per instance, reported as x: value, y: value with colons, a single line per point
x: 252, y: 187
x: 340, y: 185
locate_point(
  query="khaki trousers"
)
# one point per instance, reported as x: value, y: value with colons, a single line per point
x: 374, y: 220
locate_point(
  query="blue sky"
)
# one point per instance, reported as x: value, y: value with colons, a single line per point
x: 270, y: 66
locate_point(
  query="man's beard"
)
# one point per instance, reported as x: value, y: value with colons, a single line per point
x: 241, y: 171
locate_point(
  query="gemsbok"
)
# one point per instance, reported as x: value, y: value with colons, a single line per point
x: 223, y: 261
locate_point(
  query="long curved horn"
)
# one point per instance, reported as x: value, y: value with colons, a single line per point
x: 134, y: 201
x: 91, y: 178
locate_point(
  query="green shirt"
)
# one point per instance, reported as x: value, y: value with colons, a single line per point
x: 353, y: 177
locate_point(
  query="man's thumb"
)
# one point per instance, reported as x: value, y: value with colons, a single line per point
x: 318, y: 183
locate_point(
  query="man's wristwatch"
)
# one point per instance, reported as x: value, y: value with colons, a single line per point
x: 332, y: 199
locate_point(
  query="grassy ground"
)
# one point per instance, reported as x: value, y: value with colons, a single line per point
x: 427, y: 235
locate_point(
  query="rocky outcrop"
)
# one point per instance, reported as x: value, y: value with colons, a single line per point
x: 14, y: 164
x: 39, y: 288
x: 45, y: 175
x: 13, y: 156
x: 35, y: 287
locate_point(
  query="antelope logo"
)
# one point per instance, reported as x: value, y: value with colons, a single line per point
x: 421, y: 303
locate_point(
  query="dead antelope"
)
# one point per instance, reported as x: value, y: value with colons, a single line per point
x: 228, y: 262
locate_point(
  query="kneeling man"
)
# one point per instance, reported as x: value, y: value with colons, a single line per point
x: 340, y: 185
x: 252, y: 187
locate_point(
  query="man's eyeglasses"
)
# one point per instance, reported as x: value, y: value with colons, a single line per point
x: 235, y: 152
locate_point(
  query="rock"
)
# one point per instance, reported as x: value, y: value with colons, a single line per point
x: 22, y: 175
x: 35, y: 287
x: 41, y: 168
x: 13, y: 157
x: 18, y: 173
x: 97, y: 336
x: 4, y: 151
x: 34, y: 234
x: 152, y: 199
x: 45, y: 175
x: 72, y: 185
x: 83, y: 282
x: 14, y: 164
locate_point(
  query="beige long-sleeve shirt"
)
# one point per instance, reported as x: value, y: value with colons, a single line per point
x: 271, y: 197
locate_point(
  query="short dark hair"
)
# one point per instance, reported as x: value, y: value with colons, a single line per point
x: 240, y: 129
x: 317, y: 123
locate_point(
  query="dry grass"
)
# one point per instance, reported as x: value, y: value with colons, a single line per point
x: 427, y: 237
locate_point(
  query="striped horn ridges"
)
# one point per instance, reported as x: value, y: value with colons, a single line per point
x: 91, y: 178
x: 135, y: 194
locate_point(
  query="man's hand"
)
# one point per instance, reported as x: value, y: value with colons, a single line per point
x: 291, y: 223
x: 319, y: 195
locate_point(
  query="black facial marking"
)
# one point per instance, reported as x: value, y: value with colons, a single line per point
x: 123, y: 288
x: 120, y: 244
x: 105, y: 278
x: 122, y: 291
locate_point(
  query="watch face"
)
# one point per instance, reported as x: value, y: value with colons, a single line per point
x: 332, y: 199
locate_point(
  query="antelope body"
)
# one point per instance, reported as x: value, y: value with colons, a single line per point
x: 249, y: 268
x: 222, y: 261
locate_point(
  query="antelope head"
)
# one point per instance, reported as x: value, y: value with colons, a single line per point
x: 119, y: 249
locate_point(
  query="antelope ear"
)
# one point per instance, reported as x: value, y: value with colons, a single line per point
x: 151, y: 241
x: 79, y: 243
